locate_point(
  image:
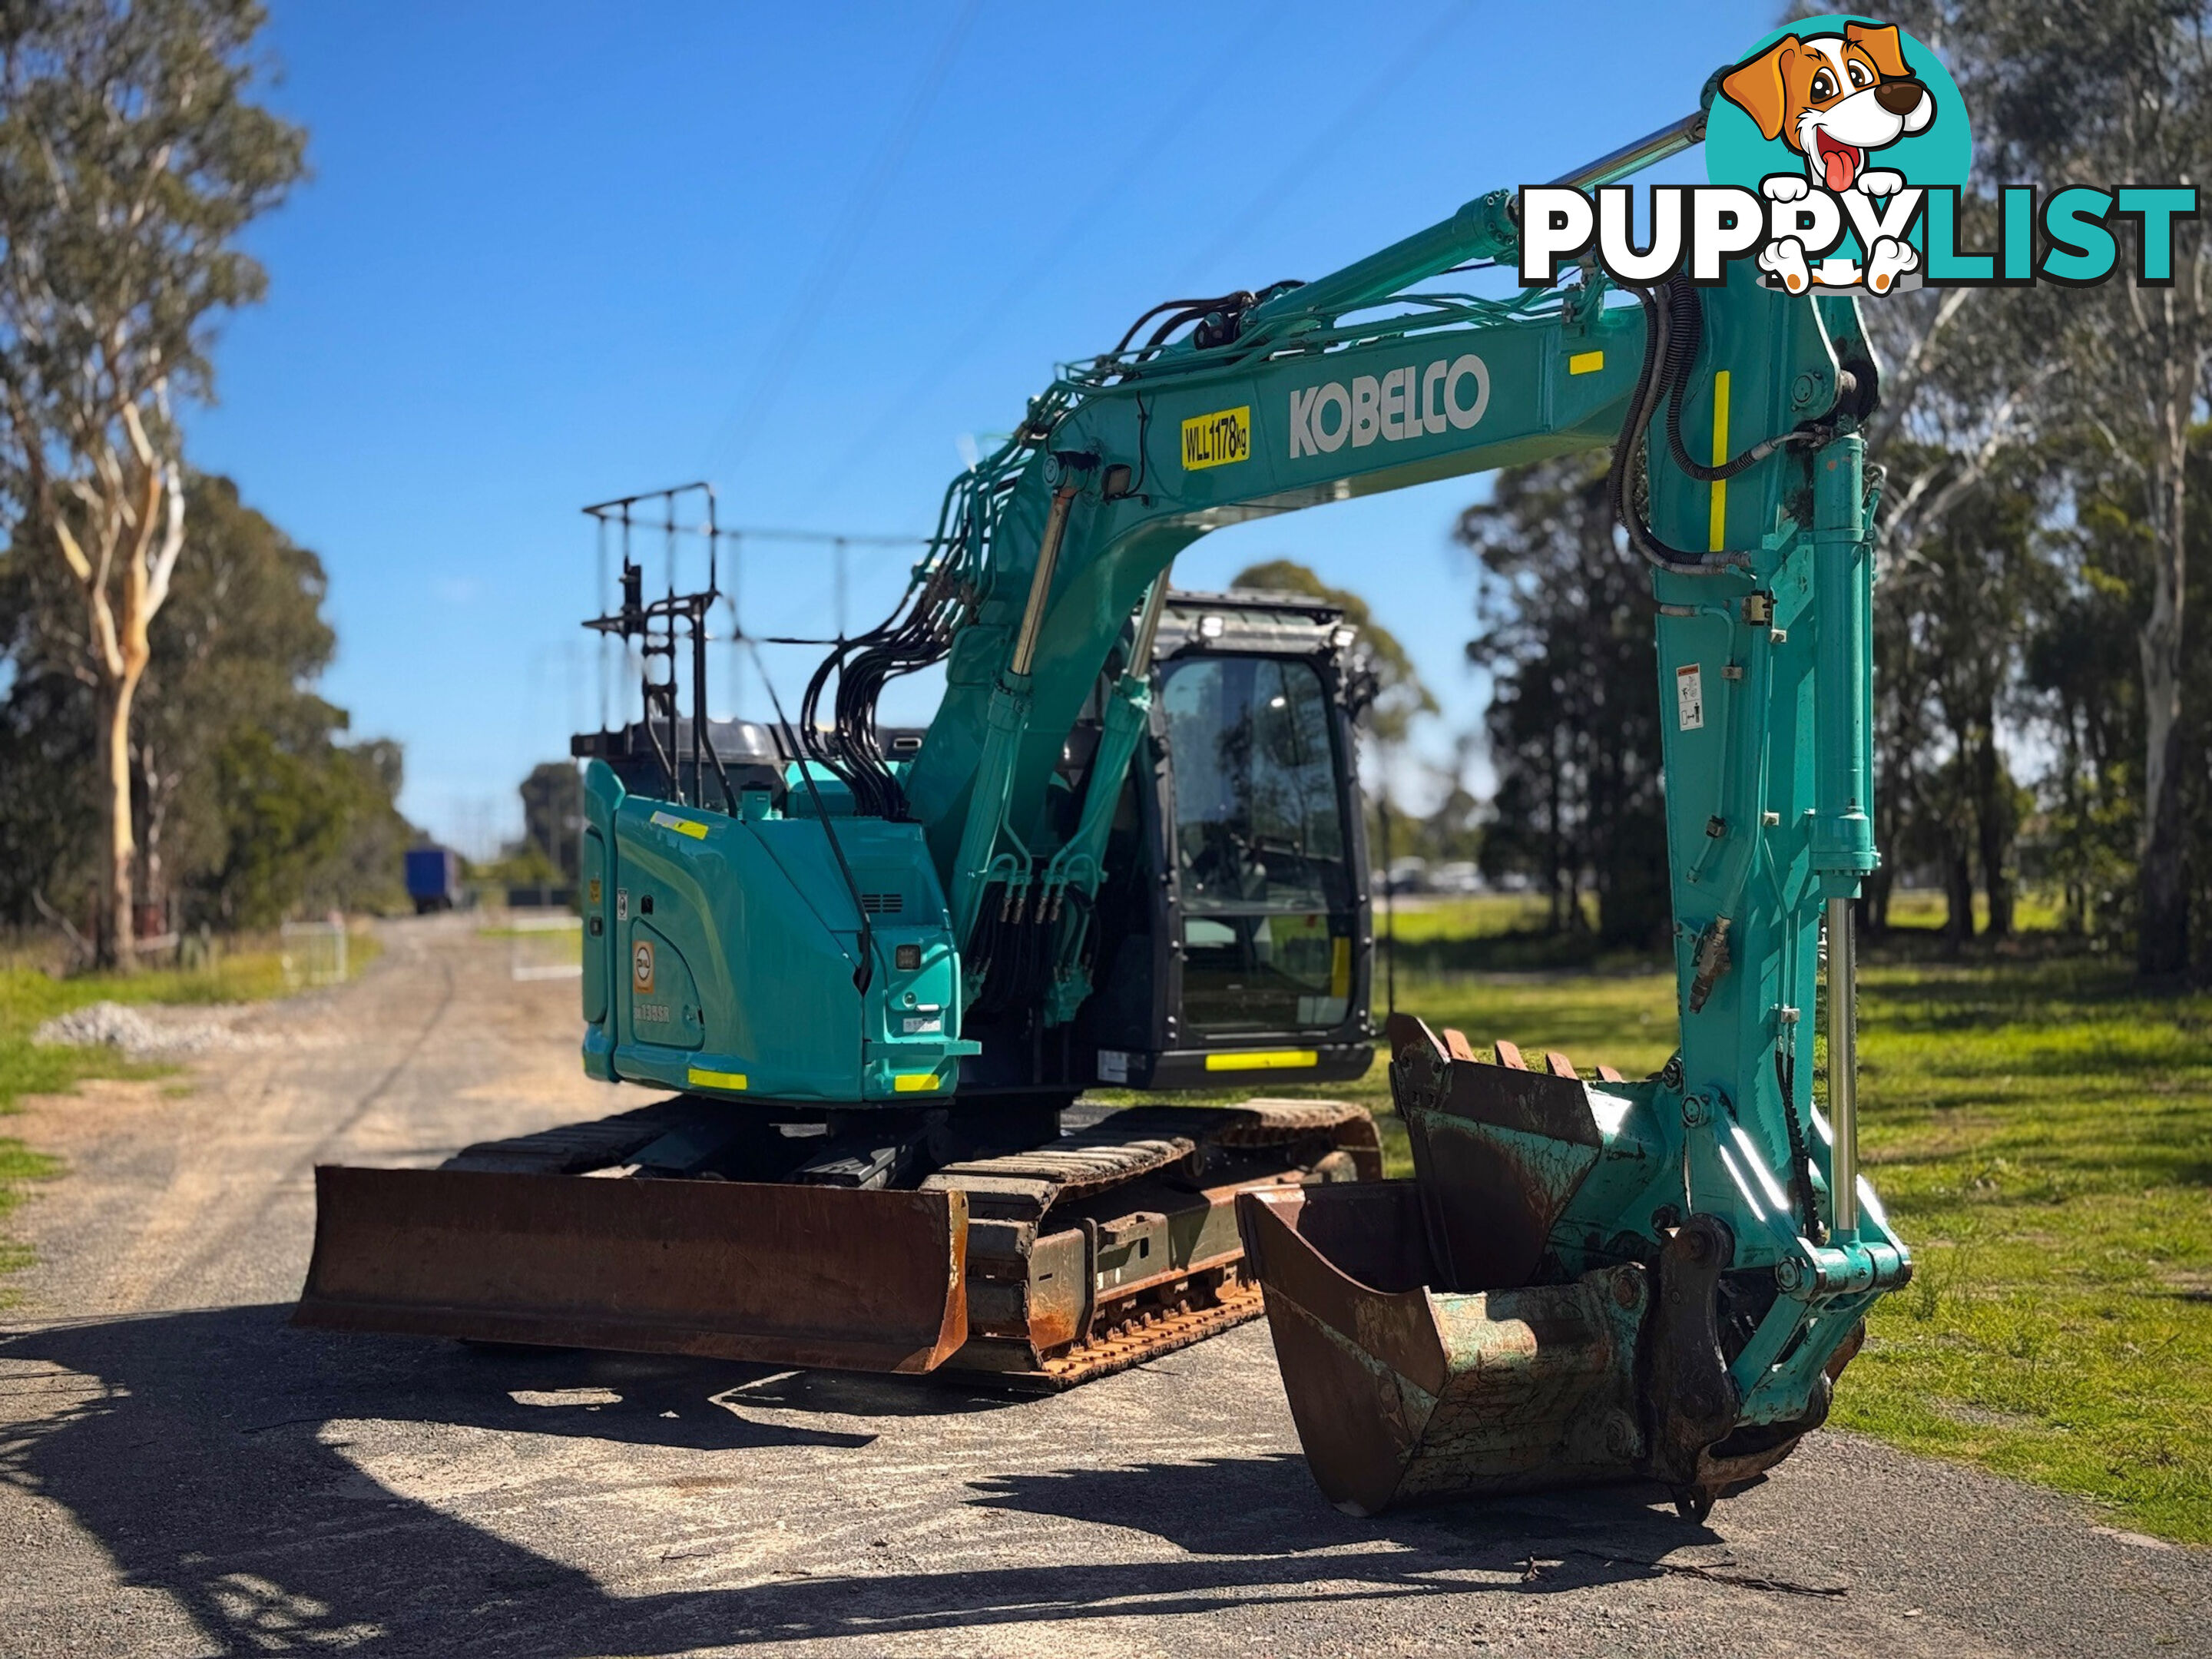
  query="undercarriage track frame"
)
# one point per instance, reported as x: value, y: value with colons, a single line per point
x: 1035, y: 1269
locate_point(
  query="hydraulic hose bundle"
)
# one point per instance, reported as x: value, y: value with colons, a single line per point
x: 1219, y: 320
x: 917, y: 634
x: 1674, y: 319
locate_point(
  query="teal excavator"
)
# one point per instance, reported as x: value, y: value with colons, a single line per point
x: 870, y: 971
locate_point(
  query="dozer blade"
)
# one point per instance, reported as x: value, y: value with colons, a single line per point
x: 795, y: 1275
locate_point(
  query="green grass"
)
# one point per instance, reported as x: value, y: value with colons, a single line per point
x: 1418, y: 919
x: 2041, y: 1134
x: 28, y: 998
x: 540, y: 947
x: 1921, y: 907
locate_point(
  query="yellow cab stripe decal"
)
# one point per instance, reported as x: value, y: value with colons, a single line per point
x: 707, y: 1080
x: 916, y: 1083
x: 1272, y: 1060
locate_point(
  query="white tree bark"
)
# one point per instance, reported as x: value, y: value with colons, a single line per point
x: 122, y: 552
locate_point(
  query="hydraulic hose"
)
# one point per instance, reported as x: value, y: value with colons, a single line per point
x: 1685, y: 333
x: 1642, y: 403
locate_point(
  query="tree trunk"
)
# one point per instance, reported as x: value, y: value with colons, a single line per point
x: 1555, y: 853
x: 155, y: 795
x: 1958, y: 894
x: 1873, y: 902
x: 116, y: 935
x: 2162, y: 936
x: 1993, y: 830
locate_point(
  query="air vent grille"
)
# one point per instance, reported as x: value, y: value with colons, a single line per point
x: 883, y: 904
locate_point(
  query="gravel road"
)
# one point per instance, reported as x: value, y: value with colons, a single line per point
x: 180, y: 1473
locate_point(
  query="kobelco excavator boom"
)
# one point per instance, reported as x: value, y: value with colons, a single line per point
x: 911, y: 954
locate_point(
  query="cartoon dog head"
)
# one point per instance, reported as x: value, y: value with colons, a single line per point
x: 1831, y: 98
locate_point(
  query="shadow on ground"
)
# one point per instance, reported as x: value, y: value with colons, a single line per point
x: 192, y: 1447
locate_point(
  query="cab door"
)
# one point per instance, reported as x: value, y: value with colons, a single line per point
x: 1261, y: 846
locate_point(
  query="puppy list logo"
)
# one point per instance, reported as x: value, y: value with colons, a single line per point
x: 1840, y: 104
x: 1838, y: 150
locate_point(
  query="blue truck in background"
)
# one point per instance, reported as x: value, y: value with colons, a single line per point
x: 433, y: 879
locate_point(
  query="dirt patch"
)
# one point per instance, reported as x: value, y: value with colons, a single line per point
x: 1983, y: 1417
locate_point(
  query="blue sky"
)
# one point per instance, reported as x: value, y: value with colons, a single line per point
x: 555, y: 252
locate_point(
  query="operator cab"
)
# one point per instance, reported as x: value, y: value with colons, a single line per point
x: 1235, y: 937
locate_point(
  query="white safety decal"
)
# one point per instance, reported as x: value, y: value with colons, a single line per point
x: 1690, y: 697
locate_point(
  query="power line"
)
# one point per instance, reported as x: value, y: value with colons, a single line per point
x: 848, y: 538
x: 838, y: 250
x: 1077, y: 224
x: 1330, y: 138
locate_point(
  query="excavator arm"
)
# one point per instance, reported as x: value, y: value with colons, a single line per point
x: 1754, y: 506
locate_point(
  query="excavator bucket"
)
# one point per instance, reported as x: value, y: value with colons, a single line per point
x: 791, y: 1275
x: 1402, y: 1392
x: 1432, y: 1345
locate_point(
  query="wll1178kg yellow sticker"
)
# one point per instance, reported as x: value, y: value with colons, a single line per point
x: 1217, y: 438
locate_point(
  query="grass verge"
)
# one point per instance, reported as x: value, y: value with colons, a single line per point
x: 28, y: 998
x: 2042, y: 1135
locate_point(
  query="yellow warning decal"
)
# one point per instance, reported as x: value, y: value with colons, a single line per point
x: 1586, y: 362
x: 700, y: 1077
x: 1269, y: 1059
x: 916, y: 1083
x: 689, y: 827
x: 1217, y: 439
x: 1340, y: 966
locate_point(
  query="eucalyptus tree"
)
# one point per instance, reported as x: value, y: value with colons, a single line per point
x: 1564, y: 626
x: 2110, y: 92
x: 132, y: 155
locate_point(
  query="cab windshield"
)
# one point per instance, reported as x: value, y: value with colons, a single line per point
x: 1261, y: 845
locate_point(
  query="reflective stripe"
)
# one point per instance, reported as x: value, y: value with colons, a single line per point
x: 1718, y: 532
x: 689, y: 827
x: 1272, y: 1060
x: 916, y: 1083
x: 1586, y: 362
x: 730, y: 1080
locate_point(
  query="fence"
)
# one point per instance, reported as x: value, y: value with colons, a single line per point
x: 545, y: 947
x: 315, y: 953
